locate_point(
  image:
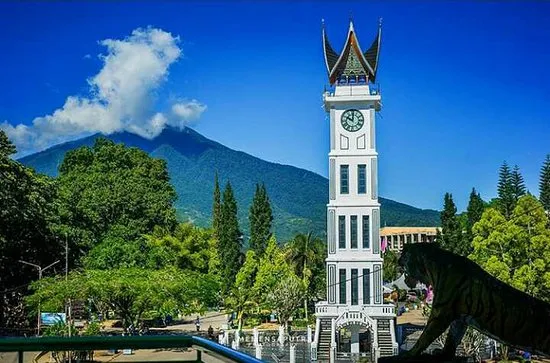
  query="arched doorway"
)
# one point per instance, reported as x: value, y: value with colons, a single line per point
x: 354, y: 338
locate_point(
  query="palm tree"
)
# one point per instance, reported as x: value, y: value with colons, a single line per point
x: 301, y: 253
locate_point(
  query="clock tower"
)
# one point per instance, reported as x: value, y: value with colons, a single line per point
x: 354, y: 321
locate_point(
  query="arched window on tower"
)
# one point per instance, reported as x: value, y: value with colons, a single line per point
x: 342, y: 80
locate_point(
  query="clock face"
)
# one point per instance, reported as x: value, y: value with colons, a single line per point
x: 352, y: 120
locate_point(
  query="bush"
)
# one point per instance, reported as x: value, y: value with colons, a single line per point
x: 251, y: 322
x: 300, y: 323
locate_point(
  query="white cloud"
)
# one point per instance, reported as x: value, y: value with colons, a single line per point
x: 122, y: 96
x: 184, y: 112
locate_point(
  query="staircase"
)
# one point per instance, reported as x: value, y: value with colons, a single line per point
x: 385, y: 342
x: 323, y: 347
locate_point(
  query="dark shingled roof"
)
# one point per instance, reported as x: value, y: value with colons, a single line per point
x: 337, y: 65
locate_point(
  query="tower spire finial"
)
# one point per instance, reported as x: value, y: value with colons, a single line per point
x: 380, y: 22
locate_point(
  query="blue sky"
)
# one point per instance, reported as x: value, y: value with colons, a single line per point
x: 465, y: 85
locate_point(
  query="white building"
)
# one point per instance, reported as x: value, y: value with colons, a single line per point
x: 354, y: 319
x: 396, y: 237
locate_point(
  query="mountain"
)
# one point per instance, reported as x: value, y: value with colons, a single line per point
x: 298, y: 196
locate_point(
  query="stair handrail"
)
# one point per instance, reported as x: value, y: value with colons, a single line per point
x: 315, y: 343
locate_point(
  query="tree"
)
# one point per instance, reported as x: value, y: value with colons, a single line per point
x: 451, y: 232
x: 27, y: 230
x: 474, y: 212
x: 229, y: 240
x: 188, y: 246
x: 506, y: 200
x: 214, y: 262
x: 544, y: 184
x: 216, y: 207
x: 241, y: 298
x: 129, y: 292
x: 7, y: 148
x: 390, y: 265
x: 516, y: 251
x: 111, y: 185
x: 306, y: 253
x: 115, y: 252
x: 273, y: 267
x: 286, y: 297
x: 261, y: 218
x: 518, y: 185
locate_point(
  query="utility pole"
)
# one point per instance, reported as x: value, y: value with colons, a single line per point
x: 40, y: 270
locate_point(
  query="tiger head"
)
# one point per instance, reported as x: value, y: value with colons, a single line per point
x: 414, y: 261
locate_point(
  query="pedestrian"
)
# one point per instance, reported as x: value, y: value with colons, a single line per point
x: 210, y: 332
x: 198, y: 323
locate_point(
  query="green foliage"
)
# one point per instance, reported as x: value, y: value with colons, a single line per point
x: 113, y: 187
x: 216, y: 206
x: 544, y: 184
x: 27, y: 223
x: 286, y: 296
x: 506, y: 198
x: 451, y: 231
x: 307, y: 254
x: 129, y: 292
x: 261, y: 218
x: 518, y: 185
x: 115, y: 251
x: 516, y: 251
x: 7, y: 148
x: 242, y: 297
x: 474, y: 211
x: 59, y: 329
x: 298, y: 197
x: 390, y: 265
x: 188, y: 247
x: 92, y: 329
x: 273, y: 267
x: 229, y: 239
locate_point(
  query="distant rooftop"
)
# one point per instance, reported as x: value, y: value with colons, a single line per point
x: 387, y: 231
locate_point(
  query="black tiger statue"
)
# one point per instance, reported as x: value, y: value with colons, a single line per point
x: 466, y: 295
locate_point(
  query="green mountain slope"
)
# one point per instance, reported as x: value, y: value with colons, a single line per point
x: 298, y: 196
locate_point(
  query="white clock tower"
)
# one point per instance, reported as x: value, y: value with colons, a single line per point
x: 354, y: 320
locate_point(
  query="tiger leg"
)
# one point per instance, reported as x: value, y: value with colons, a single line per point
x: 437, y: 324
x: 454, y: 337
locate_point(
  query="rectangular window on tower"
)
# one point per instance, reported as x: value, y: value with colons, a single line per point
x: 341, y: 231
x: 353, y: 231
x: 342, y: 284
x: 354, y: 287
x: 366, y: 286
x: 366, y: 232
x: 362, y: 179
x: 344, y: 179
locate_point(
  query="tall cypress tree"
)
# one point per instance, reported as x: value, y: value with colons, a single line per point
x: 506, y: 201
x: 261, y: 218
x: 216, y: 207
x: 450, y: 226
x: 230, y: 239
x: 473, y: 215
x: 544, y: 184
x: 518, y: 185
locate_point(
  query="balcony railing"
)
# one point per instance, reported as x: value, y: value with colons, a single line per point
x: 325, y: 309
x: 56, y: 344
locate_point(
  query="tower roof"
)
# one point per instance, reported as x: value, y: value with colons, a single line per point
x: 352, y: 61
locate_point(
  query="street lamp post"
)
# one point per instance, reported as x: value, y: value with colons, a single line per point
x: 40, y: 270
